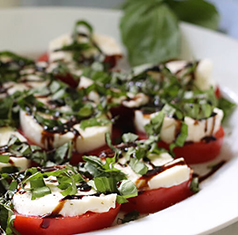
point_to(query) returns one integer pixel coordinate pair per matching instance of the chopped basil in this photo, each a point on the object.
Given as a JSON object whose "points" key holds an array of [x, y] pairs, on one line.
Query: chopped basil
{"points": [[4, 158], [109, 143], [138, 166], [227, 106], [194, 186], [133, 215], [181, 138], [127, 189], [40, 192], [63, 153], [155, 124], [129, 137], [6, 214], [105, 184], [75, 46]]}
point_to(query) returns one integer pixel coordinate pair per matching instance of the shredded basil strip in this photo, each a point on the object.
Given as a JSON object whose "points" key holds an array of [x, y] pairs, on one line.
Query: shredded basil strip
{"points": [[181, 138], [4, 158], [129, 137]]}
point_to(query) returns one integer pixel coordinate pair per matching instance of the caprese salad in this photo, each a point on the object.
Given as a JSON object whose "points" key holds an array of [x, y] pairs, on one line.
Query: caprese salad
{"points": [[81, 140]]}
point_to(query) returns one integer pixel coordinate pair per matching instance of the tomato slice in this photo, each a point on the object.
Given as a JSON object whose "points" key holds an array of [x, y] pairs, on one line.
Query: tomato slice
{"points": [[154, 200], [112, 60], [218, 92], [43, 58], [28, 225], [196, 152]]}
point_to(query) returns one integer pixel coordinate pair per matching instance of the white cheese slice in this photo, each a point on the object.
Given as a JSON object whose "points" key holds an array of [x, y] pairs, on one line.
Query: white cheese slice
{"points": [[106, 44], [175, 175], [89, 139], [136, 100], [20, 162], [197, 129], [32, 82], [202, 74], [71, 207]]}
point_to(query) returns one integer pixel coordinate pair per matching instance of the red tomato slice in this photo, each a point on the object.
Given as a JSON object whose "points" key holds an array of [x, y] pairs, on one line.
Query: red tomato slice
{"points": [[68, 79], [28, 225], [196, 152], [112, 60], [218, 92], [154, 200], [43, 58]]}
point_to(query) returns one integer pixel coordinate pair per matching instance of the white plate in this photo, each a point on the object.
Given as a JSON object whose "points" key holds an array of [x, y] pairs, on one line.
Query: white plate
{"points": [[28, 31]]}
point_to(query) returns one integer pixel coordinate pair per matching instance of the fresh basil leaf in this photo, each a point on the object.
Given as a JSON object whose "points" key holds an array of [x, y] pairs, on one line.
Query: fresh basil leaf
{"points": [[109, 143], [121, 199], [71, 190], [181, 138], [129, 137], [227, 107], [54, 86], [110, 161], [155, 125], [129, 153], [4, 158], [93, 165], [198, 12], [6, 215], [150, 32], [37, 183], [129, 3], [9, 169], [94, 122], [105, 184], [13, 56], [12, 189], [128, 189], [131, 216], [38, 188], [194, 186], [74, 46], [81, 23], [93, 160], [86, 110], [40, 192], [63, 153], [138, 166]]}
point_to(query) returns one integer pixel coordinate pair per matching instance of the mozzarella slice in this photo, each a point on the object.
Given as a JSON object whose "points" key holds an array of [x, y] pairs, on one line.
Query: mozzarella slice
{"points": [[197, 129], [70, 207], [89, 139], [202, 74], [32, 82], [136, 101], [171, 176], [107, 45]]}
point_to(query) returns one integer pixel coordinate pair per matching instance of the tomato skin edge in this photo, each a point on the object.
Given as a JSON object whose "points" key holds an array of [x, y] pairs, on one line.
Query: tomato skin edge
{"points": [[43, 57], [153, 200], [196, 152], [90, 221]]}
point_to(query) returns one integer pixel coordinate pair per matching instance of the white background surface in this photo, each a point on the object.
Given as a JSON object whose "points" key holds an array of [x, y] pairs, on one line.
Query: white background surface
{"points": [[216, 205]]}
